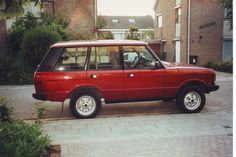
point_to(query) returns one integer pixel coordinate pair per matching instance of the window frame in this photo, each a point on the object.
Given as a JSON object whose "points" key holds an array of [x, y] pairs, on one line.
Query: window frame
{"points": [[61, 53], [159, 24], [89, 58], [150, 51]]}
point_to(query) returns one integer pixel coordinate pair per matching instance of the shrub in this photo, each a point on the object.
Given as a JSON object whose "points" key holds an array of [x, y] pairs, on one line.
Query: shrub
{"points": [[5, 111], [105, 35], [17, 31], [21, 139], [35, 44], [41, 110], [224, 66]]}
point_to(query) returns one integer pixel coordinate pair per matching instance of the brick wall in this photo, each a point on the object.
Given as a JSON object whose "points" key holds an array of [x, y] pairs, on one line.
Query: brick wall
{"points": [[167, 31], [206, 29], [80, 14]]}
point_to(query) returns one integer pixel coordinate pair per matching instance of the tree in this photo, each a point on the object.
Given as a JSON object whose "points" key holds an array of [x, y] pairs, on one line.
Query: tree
{"points": [[132, 34], [14, 8], [101, 22], [228, 5]]}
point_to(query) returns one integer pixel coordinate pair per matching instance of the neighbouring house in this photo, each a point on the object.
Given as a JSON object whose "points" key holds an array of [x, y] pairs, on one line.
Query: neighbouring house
{"points": [[80, 13], [191, 31], [228, 39], [119, 25]]}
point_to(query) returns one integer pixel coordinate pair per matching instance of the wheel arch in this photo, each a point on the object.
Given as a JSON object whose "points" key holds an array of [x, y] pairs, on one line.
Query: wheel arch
{"points": [[84, 88], [201, 84]]}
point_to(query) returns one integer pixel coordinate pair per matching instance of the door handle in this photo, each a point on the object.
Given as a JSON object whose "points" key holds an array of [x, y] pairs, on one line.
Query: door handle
{"points": [[131, 75], [93, 76]]}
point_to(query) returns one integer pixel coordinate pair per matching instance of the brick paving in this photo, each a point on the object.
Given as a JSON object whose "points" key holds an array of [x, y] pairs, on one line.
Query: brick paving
{"points": [[203, 134]]}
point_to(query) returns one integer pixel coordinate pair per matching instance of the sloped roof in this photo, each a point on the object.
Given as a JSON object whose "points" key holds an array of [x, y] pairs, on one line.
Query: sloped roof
{"points": [[123, 22]]}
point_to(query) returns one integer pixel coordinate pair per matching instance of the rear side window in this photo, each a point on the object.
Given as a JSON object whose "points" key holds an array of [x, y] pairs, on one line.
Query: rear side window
{"points": [[50, 60], [105, 58], [72, 59]]}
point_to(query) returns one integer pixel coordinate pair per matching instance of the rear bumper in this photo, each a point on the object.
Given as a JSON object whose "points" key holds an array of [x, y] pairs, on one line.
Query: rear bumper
{"points": [[212, 88], [39, 96]]}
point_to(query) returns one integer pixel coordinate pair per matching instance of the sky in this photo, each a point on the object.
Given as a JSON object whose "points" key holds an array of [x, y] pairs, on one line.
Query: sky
{"points": [[125, 7]]}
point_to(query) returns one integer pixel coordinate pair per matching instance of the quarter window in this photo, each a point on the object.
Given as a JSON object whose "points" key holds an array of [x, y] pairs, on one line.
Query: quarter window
{"points": [[138, 57], [72, 59], [105, 58]]}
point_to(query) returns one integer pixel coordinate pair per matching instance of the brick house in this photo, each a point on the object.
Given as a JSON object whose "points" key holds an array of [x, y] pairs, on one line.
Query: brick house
{"points": [[80, 13], [191, 31], [119, 25]]}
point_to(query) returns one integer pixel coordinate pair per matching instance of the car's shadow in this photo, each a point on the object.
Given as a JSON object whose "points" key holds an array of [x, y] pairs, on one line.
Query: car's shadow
{"points": [[118, 109]]}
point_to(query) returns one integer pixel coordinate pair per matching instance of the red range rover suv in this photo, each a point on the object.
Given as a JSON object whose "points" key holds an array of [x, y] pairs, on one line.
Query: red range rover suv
{"points": [[117, 71]]}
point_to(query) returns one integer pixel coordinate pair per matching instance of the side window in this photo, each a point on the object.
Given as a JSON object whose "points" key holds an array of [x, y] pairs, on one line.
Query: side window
{"points": [[138, 57], [72, 59], [103, 58]]}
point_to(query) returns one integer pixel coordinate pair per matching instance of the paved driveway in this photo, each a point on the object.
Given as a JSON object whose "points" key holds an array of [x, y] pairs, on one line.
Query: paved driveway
{"points": [[176, 135]]}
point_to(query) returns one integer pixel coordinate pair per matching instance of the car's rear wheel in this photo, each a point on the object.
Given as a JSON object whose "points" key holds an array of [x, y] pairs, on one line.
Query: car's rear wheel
{"points": [[85, 104], [191, 100]]}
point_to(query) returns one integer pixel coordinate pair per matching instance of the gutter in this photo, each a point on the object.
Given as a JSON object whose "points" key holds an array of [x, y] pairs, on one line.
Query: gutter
{"points": [[189, 25]]}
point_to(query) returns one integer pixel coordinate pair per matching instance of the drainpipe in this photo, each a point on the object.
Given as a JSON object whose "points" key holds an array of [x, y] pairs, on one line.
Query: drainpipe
{"points": [[95, 12], [189, 24]]}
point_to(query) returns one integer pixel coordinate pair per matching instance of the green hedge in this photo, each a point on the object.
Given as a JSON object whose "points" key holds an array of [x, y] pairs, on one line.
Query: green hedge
{"points": [[34, 46], [21, 139], [223, 67]]}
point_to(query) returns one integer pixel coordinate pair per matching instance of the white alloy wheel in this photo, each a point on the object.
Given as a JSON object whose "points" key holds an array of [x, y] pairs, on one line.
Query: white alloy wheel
{"points": [[85, 105], [192, 100]]}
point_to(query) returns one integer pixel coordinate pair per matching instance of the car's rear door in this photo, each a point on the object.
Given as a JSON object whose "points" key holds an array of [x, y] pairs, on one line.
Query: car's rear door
{"points": [[143, 80], [106, 73]]}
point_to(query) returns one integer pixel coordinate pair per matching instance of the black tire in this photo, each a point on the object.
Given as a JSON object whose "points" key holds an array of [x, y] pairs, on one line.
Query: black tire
{"points": [[191, 99], [95, 99]]}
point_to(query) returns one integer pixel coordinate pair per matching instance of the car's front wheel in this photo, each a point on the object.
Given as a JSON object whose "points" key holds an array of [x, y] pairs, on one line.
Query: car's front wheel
{"points": [[191, 100], [85, 104]]}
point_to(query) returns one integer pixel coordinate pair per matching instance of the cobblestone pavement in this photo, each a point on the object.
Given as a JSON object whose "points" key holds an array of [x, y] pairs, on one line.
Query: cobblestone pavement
{"points": [[175, 135]]}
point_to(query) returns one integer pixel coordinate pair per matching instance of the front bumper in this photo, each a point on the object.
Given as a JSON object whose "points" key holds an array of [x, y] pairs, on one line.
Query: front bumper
{"points": [[39, 96], [212, 88]]}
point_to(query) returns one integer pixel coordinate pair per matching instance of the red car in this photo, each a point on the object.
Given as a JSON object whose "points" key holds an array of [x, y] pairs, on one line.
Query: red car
{"points": [[117, 71]]}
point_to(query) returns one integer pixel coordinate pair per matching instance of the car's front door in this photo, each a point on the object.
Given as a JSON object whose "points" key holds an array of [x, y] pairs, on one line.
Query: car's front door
{"points": [[106, 73], [143, 79]]}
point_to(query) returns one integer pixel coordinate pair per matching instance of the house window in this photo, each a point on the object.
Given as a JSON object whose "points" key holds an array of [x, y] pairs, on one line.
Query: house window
{"points": [[225, 13], [227, 50], [48, 7], [178, 15], [159, 21], [131, 20], [177, 2]]}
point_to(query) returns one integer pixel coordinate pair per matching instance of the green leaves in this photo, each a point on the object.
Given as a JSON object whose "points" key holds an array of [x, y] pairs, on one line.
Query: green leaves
{"points": [[14, 8], [132, 34], [21, 139], [228, 5]]}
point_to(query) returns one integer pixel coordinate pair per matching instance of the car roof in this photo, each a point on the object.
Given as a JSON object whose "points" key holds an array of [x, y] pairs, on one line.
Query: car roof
{"points": [[99, 43]]}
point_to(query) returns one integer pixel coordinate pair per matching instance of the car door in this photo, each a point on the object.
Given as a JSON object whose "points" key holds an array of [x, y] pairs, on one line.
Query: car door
{"points": [[106, 73], [143, 80]]}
